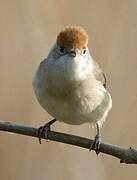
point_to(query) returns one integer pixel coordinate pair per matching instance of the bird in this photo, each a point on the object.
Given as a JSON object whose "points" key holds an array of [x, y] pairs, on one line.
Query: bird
{"points": [[70, 85]]}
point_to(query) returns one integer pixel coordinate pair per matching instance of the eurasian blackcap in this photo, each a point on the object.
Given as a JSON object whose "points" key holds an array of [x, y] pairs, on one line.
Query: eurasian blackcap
{"points": [[70, 85]]}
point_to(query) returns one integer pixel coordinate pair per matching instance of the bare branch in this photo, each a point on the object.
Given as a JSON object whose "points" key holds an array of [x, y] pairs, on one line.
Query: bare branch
{"points": [[128, 156]]}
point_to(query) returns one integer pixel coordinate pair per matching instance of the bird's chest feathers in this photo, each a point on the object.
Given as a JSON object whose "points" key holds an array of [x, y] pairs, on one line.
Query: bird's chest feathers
{"points": [[80, 93], [61, 96]]}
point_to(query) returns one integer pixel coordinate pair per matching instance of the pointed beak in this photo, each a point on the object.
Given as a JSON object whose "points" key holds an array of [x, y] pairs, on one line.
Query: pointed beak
{"points": [[73, 53]]}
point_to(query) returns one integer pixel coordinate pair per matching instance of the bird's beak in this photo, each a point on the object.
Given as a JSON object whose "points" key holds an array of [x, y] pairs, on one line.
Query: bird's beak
{"points": [[73, 53]]}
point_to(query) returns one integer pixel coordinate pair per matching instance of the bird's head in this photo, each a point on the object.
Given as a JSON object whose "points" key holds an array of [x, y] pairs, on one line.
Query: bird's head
{"points": [[70, 52], [72, 40]]}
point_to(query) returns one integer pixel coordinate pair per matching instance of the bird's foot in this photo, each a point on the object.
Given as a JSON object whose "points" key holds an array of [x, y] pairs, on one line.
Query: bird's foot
{"points": [[43, 130], [95, 145]]}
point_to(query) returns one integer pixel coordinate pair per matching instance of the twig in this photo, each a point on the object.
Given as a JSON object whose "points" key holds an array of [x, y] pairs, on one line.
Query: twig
{"points": [[128, 156]]}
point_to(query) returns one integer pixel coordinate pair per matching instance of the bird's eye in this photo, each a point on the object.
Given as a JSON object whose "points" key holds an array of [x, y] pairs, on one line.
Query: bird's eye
{"points": [[61, 50], [84, 51]]}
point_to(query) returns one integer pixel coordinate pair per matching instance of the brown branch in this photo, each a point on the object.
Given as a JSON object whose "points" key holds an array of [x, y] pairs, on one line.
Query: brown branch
{"points": [[128, 156]]}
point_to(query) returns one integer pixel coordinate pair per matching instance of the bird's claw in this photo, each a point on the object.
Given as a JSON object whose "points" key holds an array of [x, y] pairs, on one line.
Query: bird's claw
{"points": [[96, 144], [43, 130]]}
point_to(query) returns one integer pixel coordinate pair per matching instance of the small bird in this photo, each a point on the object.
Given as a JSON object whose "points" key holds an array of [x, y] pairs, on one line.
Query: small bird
{"points": [[71, 86]]}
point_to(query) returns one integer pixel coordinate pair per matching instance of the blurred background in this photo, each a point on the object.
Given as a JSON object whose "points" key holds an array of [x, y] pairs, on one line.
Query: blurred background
{"points": [[28, 28]]}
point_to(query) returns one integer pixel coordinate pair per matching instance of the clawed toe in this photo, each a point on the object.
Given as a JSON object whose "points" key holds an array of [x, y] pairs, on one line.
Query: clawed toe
{"points": [[43, 130], [96, 144]]}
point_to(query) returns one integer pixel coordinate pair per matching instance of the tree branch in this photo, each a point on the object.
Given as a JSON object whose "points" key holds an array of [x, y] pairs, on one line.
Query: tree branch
{"points": [[128, 156]]}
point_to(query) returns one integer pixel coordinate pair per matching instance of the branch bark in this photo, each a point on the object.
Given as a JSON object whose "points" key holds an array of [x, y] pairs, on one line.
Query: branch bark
{"points": [[128, 156]]}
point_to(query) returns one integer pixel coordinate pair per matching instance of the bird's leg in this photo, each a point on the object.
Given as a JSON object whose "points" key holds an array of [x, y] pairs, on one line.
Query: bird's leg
{"points": [[97, 141], [43, 130]]}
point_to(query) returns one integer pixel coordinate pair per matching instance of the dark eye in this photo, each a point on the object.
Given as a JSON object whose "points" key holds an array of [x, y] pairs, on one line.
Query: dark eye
{"points": [[84, 51], [61, 50]]}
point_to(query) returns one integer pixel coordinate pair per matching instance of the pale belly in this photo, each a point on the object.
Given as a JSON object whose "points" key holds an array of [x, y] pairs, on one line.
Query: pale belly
{"points": [[77, 111], [87, 103]]}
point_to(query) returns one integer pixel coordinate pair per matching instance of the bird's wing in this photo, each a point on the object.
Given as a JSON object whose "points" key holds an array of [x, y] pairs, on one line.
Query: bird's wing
{"points": [[100, 76], [43, 61]]}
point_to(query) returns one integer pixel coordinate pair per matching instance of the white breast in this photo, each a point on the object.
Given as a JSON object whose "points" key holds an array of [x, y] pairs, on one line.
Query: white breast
{"points": [[73, 103]]}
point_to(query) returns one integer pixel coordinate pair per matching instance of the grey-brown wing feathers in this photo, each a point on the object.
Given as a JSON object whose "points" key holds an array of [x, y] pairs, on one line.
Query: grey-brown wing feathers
{"points": [[100, 76]]}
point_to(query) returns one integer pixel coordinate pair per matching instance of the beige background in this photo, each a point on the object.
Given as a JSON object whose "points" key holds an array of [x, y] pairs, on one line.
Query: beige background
{"points": [[28, 28]]}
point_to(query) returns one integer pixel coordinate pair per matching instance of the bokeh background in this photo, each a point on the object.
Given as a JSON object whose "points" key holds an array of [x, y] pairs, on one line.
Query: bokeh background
{"points": [[28, 28]]}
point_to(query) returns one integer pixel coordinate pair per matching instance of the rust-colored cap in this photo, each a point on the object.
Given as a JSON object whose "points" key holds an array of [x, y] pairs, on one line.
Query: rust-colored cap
{"points": [[73, 37]]}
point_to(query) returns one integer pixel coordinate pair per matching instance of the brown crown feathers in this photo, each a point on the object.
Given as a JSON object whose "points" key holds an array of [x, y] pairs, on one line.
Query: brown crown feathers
{"points": [[73, 37]]}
